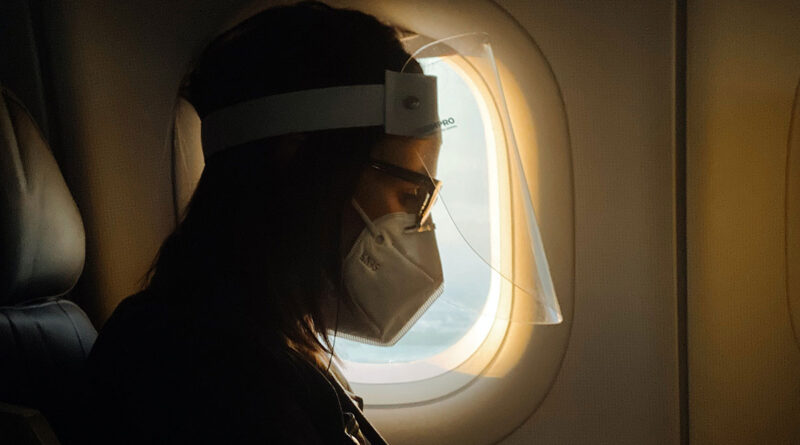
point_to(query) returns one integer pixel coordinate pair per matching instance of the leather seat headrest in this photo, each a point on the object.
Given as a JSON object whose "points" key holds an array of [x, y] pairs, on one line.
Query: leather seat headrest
{"points": [[42, 242]]}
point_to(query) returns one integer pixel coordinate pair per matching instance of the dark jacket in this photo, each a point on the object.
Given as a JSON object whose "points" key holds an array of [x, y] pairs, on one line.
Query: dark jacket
{"points": [[169, 373]]}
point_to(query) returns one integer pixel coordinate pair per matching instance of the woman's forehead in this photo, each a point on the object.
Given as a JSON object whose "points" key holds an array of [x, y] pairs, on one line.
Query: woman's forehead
{"points": [[416, 154]]}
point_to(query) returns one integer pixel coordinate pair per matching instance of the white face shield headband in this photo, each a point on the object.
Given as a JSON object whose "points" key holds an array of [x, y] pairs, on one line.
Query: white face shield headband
{"points": [[404, 105], [485, 221]]}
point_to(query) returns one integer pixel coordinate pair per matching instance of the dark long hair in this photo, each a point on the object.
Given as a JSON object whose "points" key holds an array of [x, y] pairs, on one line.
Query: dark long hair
{"points": [[261, 236]]}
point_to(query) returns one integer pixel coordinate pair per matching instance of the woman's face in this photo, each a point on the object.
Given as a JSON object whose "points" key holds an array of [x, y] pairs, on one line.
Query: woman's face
{"points": [[379, 193]]}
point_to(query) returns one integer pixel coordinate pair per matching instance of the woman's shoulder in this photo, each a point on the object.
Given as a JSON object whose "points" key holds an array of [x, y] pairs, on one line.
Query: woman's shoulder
{"points": [[136, 308], [157, 353], [149, 331], [133, 316]]}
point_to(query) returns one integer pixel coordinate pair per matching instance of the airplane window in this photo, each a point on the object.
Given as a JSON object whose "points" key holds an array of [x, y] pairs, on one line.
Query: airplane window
{"points": [[469, 295]]}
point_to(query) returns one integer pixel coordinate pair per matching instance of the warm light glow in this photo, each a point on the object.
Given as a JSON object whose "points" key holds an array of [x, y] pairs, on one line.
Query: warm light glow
{"points": [[461, 355]]}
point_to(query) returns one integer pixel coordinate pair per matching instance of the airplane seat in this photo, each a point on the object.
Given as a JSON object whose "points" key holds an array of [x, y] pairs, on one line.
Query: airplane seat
{"points": [[44, 338]]}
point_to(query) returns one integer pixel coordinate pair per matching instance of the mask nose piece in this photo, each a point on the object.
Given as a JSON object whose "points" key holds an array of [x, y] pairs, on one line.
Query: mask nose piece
{"points": [[427, 227]]}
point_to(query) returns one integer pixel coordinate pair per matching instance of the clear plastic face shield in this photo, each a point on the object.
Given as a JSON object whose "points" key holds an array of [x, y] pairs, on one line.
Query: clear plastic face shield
{"points": [[480, 200], [455, 166]]}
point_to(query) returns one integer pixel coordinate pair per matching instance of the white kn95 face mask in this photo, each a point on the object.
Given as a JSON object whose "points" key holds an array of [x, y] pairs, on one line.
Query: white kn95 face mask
{"points": [[392, 276]]}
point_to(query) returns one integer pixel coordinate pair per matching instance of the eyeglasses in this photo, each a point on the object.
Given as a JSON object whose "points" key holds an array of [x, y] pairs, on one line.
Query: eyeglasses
{"points": [[425, 196]]}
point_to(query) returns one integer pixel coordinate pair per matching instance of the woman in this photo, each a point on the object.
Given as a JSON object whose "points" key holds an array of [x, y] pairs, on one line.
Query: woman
{"points": [[228, 342]]}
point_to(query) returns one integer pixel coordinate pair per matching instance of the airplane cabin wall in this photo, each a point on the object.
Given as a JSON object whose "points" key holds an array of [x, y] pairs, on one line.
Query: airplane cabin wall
{"points": [[743, 71], [619, 380], [115, 69]]}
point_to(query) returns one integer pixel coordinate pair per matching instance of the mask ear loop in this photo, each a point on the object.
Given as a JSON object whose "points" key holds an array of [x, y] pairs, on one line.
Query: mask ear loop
{"points": [[371, 227], [367, 222], [373, 231]]}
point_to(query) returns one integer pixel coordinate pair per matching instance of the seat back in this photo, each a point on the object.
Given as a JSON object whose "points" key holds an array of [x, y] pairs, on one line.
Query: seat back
{"points": [[44, 339]]}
